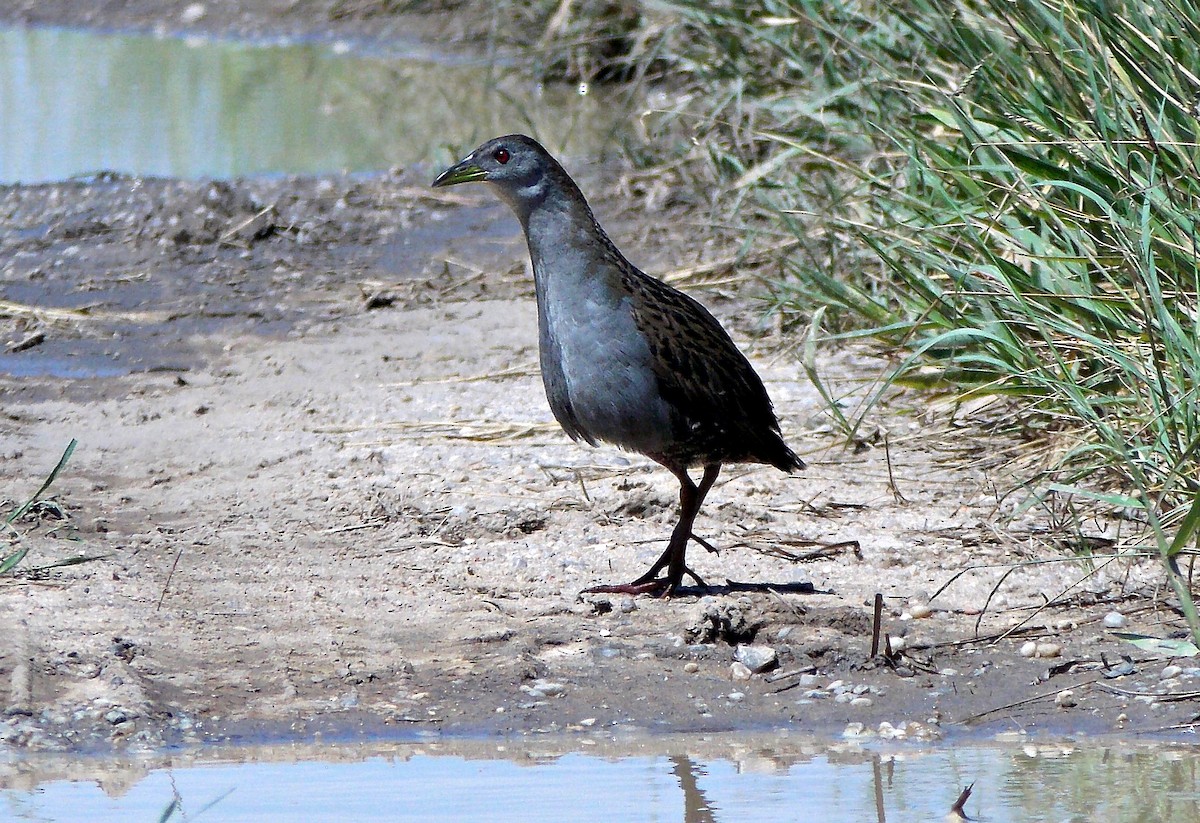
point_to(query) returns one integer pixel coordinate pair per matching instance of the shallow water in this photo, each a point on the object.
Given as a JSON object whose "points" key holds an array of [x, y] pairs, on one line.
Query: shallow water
{"points": [[716, 779], [75, 103]]}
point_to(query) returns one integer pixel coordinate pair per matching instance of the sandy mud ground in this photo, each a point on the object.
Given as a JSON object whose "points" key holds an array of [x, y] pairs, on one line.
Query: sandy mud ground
{"points": [[330, 495], [326, 495]]}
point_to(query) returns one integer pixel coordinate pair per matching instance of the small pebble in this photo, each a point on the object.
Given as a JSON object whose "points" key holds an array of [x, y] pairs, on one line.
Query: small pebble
{"points": [[588, 721], [897, 643], [862, 702], [1028, 649], [193, 13], [115, 717], [691, 668], [808, 679], [756, 658], [1171, 671], [855, 730], [918, 611], [1065, 699], [737, 697], [739, 671], [1048, 650], [543, 688], [1115, 620]]}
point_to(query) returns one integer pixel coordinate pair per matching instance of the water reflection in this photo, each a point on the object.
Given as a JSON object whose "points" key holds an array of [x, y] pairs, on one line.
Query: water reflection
{"points": [[74, 102], [723, 779]]}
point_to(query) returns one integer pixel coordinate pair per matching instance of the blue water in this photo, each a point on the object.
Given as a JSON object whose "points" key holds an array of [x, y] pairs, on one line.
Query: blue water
{"points": [[754, 782], [76, 102]]}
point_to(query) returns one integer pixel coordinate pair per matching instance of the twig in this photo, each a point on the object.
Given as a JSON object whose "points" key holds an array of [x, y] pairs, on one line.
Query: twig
{"points": [[170, 574], [777, 676], [991, 594], [1016, 703], [1165, 697], [875, 625], [1048, 603], [369, 524], [895, 490]]}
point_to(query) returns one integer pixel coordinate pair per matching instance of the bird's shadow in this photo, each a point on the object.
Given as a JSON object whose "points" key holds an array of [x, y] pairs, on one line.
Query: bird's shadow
{"points": [[737, 587]]}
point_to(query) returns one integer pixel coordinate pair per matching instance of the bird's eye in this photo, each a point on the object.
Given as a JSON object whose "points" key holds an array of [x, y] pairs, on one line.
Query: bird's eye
{"points": [[501, 156]]}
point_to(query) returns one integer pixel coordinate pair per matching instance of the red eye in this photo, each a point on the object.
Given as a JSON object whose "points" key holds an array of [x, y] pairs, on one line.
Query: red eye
{"points": [[501, 156]]}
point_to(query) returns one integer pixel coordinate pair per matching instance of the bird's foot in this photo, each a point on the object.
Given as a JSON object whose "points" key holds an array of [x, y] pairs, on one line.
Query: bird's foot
{"points": [[647, 584], [660, 586]]}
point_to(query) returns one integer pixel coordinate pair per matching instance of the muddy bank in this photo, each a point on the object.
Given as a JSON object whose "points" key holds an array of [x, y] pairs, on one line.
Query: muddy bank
{"points": [[327, 495]]}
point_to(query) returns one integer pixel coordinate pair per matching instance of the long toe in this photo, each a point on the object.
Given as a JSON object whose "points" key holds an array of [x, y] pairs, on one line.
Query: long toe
{"points": [[659, 585]]}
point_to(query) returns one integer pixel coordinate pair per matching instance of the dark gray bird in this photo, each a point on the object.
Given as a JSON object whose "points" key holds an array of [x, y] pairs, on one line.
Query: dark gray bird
{"points": [[627, 359]]}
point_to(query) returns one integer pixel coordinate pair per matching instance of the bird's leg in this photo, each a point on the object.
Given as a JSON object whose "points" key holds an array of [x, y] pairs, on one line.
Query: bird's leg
{"points": [[672, 559], [710, 476], [690, 500]]}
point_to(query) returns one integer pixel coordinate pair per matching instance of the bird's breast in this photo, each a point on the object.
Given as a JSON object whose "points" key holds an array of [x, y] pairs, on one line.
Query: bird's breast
{"points": [[596, 365]]}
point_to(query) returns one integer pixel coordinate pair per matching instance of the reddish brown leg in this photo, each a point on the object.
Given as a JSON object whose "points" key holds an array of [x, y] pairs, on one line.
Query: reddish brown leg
{"points": [[691, 497]]}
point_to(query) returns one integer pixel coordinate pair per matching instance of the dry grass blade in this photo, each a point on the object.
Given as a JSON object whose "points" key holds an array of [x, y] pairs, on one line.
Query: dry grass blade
{"points": [[707, 273], [50, 315], [521, 370], [477, 431]]}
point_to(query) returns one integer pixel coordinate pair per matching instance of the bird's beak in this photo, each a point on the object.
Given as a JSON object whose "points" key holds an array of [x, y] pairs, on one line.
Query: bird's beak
{"points": [[463, 172]]}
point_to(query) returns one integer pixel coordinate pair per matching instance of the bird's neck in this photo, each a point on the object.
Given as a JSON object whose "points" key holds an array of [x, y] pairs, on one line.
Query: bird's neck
{"points": [[559, 224]]}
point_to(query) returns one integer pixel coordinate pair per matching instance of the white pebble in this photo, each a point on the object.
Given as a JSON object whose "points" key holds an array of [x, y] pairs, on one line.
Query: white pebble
{"points": [[918, 611], [1115, 620], [1171, 671], [862, 702], [898, 644], [193, 13], [692, 667], [855, 730], [1028, 649], [1048, 650], [739, 671], [737, 697], [1065, 699]]}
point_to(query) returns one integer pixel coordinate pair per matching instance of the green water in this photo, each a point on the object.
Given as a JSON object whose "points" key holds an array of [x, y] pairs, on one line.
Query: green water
{"points": [[74, 102], [731, 778]]}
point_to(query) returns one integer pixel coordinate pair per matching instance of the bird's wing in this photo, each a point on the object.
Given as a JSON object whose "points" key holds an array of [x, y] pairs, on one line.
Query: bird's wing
{"points": [[701, 372]]}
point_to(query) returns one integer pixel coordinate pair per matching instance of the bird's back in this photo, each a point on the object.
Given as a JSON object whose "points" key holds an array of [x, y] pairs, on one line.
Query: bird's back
{"points": [[722, 412]]}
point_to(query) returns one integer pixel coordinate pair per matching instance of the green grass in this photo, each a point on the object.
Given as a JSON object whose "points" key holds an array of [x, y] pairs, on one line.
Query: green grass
{"points": [[10, 561], [1006, 190]]}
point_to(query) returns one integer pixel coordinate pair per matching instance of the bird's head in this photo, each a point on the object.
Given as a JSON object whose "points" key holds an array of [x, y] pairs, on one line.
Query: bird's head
{"points": [[511, 161], [517, 167]]}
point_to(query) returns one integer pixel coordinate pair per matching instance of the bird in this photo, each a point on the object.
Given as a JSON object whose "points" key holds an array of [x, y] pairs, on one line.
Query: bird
{"points": [[625, 358]]}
